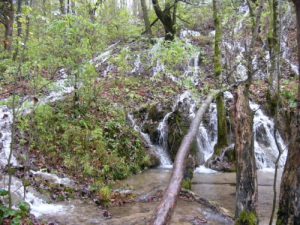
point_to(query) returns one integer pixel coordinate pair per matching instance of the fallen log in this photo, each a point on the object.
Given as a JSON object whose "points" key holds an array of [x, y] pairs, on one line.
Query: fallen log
{"points": [[166, 207]]}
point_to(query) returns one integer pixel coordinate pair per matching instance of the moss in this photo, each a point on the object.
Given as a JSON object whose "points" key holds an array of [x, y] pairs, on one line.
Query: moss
{"points": [[222, 126], [178, 127], [247, 218], [271, 102], [187, 184]]}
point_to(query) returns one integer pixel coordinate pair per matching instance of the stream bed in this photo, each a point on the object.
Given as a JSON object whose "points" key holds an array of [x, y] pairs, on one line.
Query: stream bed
{"points": [[218, 188]]}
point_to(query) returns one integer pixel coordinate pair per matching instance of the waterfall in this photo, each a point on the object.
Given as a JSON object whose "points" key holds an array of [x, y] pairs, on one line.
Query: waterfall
{"points": [[160, 151], [207, 135], [6, 119], [265, 146], [38, 205], [266, 151]]}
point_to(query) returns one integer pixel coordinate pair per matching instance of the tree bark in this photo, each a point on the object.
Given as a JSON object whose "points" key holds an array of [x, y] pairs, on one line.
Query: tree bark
{"points": [[167, 19], [246, 178], [62, 7], [8, 22], [289, 199], [146, 18], [222, 141], [274, 52], [246, 189], [166, 207], [19, 16]]}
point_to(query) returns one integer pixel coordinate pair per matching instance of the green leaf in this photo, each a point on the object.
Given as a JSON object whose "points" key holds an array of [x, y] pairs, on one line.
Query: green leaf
{"points": [[3, 192], [24, 207]]}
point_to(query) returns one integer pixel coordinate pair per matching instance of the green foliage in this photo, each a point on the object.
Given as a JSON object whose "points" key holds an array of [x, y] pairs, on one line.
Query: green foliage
{"points": [[105, 195], [173, 55], [97, 144], [14, 215], [247, 218], [122, 60], [187, 184]]}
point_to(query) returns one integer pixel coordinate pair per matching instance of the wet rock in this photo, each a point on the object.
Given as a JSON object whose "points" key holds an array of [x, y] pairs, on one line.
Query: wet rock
{"points": [[261, 135], [179, 123], [154, 159], [197, 221], [149, 118], [225, 162], [107, 214]]}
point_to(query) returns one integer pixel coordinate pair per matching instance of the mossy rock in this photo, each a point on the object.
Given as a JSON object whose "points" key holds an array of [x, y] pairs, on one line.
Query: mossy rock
{"points": [[151, 129], [247, 218], [225, 162], [178, 127]]}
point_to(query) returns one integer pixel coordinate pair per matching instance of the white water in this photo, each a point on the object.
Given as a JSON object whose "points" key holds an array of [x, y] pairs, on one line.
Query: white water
{"points": [[38, 205], [54, 178], [266, 151], [265, 147], [164, 158], [6, 119], [203, 169], [207, 135]]}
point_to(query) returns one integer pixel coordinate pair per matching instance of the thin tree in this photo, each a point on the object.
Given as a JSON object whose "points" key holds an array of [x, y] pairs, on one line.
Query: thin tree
{"points": [[274, 52], [289, 199], [222, 141], [62, 7], [146, 18]]}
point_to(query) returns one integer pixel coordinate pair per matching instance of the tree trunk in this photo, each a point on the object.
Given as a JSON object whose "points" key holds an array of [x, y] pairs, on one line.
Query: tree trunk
{"points": [[222, 141], [246, 189], [166, 207], [19, 16], [274, 52], [246, 178], [289, 199], [8, 14], [62, 7], [167, 19], [146, 18], [19, 28]]}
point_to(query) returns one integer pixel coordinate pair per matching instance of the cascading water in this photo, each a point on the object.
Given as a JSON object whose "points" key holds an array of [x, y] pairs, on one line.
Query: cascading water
{"points": [[165, 161], [38, 205], [207, 135], [265, 147], [266, 151]]}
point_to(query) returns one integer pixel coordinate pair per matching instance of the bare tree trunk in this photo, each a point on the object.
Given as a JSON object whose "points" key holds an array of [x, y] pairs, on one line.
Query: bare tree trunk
{"points": [[166, 207], [68, 6], [19, 16], [8, 22], [289, 199], [146, 18], [246, 190], [19, 28], [246, 178], [274, 52], [222, 141], [62, 7]]}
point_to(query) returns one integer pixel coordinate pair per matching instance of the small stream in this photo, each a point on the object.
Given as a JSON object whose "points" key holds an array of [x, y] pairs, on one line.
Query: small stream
{"points": [[218, 187]]}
